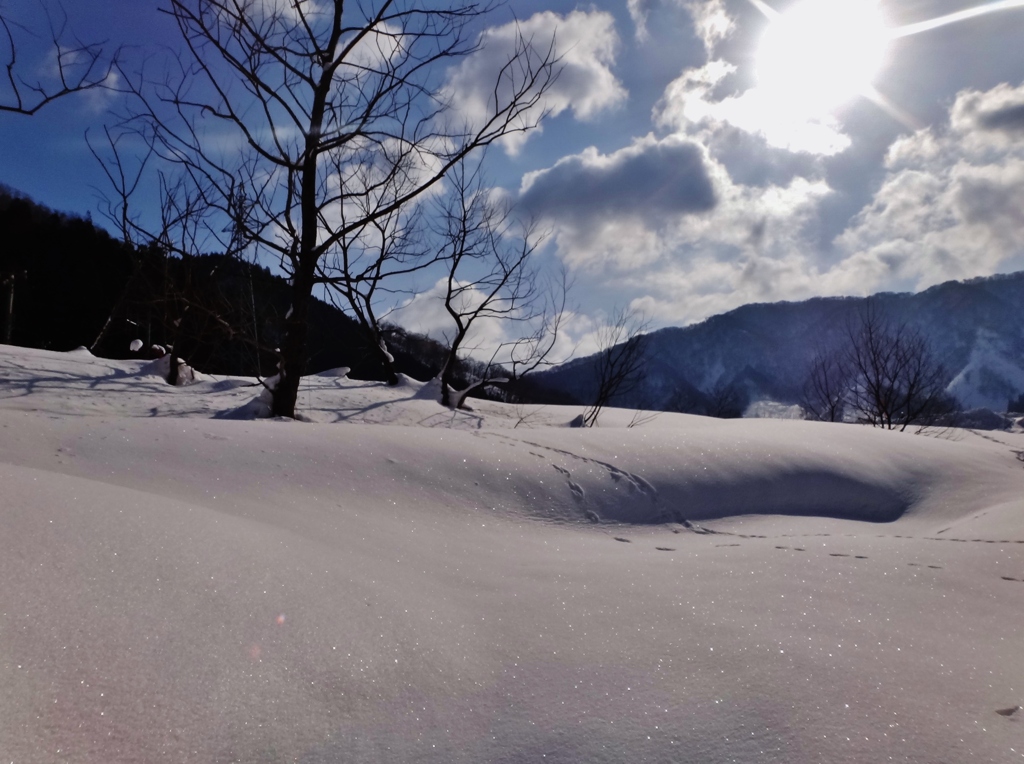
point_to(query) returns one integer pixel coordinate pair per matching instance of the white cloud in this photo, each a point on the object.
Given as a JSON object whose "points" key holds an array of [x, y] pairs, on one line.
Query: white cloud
{"points": [[638, 10], [711, 21], [724, 93], [607, 210], [685, 241], [425, 313], [689, 104], [381, 44], [753, 247], [951, 205], [586, 43], [651, 178], [492, 338]]}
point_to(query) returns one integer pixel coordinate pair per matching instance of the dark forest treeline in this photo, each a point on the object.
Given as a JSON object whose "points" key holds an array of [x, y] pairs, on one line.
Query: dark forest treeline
{"points": [[68, 283]]}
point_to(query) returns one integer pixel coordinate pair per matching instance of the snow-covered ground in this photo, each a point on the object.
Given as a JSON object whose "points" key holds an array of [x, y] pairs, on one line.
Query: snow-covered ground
{"points": [[392, 582]]}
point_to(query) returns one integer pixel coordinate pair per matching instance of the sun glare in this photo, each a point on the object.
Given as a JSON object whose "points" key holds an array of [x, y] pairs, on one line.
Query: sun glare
{"points": [[821, 53]]}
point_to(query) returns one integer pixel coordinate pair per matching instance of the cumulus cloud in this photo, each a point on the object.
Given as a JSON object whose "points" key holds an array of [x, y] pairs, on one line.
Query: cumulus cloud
{"points": [[951, 205], [725, 93], [668, 225], [755, 246], [692, 103], [651, 179], [711, 21], [612, 207], [1008, 118], [492, 338], [993, 119], [425, 313], [585, 41]]}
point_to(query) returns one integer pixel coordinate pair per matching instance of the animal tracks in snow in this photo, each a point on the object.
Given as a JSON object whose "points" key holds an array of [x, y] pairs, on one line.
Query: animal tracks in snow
{"points": [[657, 548], [633, 483], [577, 490]]}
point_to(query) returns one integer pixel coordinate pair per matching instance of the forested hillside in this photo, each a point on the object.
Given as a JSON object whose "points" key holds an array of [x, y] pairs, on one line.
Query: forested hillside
{"points": [[68, 283]]}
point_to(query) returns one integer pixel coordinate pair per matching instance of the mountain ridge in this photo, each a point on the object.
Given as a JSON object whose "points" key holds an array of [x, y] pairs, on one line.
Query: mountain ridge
{"points": [[762, 351]]}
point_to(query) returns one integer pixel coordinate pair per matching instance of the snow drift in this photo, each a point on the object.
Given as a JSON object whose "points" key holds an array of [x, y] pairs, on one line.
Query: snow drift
{"points": [[394, 581]]}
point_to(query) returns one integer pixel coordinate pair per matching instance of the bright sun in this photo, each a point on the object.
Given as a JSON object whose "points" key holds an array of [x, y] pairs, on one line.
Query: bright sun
{"points": [[821, 53]]}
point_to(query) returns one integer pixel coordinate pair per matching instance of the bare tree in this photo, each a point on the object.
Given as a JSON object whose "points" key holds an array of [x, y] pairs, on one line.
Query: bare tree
{"points": [[77, 66], [896, 380], [827, 387], [725, 400], [183, 298], [489, 259], [364, 270], [331, 116], [620, 360], [884, 374]]}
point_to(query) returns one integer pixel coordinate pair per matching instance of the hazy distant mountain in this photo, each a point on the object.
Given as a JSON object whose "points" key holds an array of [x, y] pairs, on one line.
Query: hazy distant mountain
{"points": [[762, 352]]}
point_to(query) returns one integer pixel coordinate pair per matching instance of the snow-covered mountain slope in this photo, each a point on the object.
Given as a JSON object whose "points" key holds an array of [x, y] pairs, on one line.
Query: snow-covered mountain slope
{"points": [[993, 374], [395, 582], [975, 328]]}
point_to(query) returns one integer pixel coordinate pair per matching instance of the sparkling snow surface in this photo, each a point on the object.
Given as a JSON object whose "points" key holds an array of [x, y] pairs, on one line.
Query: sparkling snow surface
{"points": [[392, 582]]}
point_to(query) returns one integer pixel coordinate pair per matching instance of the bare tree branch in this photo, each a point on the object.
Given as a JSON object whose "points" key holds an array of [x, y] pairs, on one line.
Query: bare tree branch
{"points": [[490, 274], [77, 66]]}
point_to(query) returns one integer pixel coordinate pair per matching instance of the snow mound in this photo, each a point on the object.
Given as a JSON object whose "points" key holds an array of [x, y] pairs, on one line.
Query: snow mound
{"points": [[260, 407], [423, 391], [341, 371], [161, 367], [225, 385]]}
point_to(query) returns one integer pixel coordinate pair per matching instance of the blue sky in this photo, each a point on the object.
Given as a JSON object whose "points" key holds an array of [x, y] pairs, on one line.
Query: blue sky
{"points": [[675, 177]]}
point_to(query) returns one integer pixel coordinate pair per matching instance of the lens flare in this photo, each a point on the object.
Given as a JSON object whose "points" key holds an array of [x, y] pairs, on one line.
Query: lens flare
{"points": [[953, 18], [821, 53]]}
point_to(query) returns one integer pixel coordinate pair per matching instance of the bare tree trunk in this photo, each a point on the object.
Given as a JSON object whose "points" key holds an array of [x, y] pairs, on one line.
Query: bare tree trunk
{"points": [[9, 323], [293, 348], [448, 370]]}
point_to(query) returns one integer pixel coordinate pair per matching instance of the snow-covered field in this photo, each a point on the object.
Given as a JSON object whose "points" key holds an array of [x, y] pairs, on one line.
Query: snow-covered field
{"points": [[390, 582]]}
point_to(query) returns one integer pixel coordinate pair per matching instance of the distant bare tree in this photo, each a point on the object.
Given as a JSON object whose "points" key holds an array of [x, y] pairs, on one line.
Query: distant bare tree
{"points": [[897, 381], [884, 374], [725, 400], [513, 360], [78, 66], [827, 387], [620, 360]]}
